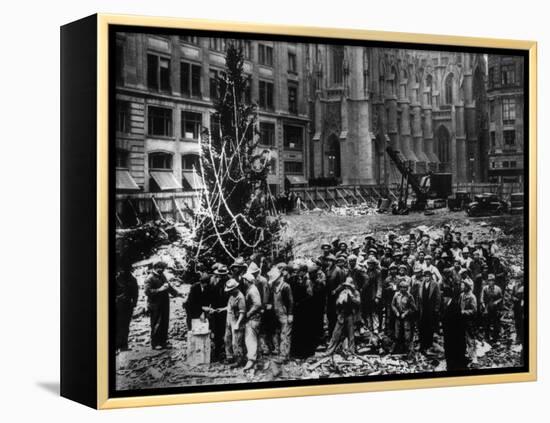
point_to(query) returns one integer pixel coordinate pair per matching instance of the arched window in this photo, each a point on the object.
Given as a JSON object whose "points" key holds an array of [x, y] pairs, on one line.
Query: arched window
{"points": [[160, 161], [449, 89], [190, 162]]}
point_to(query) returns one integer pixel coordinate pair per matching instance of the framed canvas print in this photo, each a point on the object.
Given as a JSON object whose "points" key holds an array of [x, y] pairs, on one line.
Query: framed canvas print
{"points": [[253, 211]]}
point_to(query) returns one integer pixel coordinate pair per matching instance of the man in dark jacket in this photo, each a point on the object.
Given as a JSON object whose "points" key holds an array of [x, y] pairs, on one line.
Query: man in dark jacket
{"points": [[199, 300], [126, 299], [335, 277], [158, 291], [429, 302], [371, 293]]}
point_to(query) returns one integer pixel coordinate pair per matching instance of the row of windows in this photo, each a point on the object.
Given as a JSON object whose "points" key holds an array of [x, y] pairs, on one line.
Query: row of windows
{"points": [[507, 76], [505, 164], [158, 79], [508, 111], [160, 123], [190, 162]]}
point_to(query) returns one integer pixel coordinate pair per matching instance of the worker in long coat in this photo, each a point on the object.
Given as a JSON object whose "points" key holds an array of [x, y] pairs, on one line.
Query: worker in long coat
{"points": [[125, 301], [371, 293], [218, 317], [454, 330], [199, 300], [428, 310], [158, 291], [335, 277], [318, 304], [303, 337]]}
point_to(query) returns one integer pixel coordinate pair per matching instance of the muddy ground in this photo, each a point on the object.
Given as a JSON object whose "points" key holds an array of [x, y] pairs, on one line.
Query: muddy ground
{"points": [[143, 367]]}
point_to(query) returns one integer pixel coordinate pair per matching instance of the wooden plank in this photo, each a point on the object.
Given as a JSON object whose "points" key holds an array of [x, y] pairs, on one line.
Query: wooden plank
{"points": [[310, 199], [343, 198], [177, 207], [358, 192], [119, 221], [157, 207], [332, 196], [350, 192], [138, 220], [322, 199]]}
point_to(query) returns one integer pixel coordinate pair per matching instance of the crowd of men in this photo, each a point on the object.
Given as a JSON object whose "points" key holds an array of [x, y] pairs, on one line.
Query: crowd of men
{"points": [[404, 289]]}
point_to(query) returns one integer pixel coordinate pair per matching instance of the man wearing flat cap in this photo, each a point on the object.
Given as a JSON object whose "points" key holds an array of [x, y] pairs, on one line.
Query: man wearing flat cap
{"points": [[158, 291], [429, 303], [491, 305], [404, 308]]}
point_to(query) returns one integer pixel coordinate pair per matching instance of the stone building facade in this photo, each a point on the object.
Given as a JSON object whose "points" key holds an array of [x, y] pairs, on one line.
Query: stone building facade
{"points": [[324, 111], [165, 93], [431, 106], [505, 90]]}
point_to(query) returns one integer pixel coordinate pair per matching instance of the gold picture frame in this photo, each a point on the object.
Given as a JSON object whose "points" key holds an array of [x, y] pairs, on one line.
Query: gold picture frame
{"points": [[103, 401]]}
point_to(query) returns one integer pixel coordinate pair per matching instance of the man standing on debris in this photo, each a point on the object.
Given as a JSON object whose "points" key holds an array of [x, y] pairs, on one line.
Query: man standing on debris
{"points": [[468, 309], [491, 304], [428, 307], [389, 288], [234, 328], [219, 300], [253, 315], [335, 277], [158, 291], [347, 303], [371, 293], [283, 307], [454, 334], [198, 301], [404, 308], [126, 299]]}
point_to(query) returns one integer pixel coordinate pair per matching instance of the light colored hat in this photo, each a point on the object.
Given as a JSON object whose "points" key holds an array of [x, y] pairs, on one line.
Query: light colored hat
{"points": [[249, 277], [490, 277], [221, 270], [253, 268], [371, 260], [352, 257], [273, 275], [239, 262], [469, 283], [231, 284], [465, 250]]}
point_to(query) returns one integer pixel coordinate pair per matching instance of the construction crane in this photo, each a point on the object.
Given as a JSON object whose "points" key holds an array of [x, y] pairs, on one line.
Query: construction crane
{"points": [[420, 187]]}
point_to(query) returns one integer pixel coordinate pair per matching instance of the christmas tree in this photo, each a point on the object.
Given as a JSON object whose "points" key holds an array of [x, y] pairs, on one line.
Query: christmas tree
{"points": [[237, 215]]}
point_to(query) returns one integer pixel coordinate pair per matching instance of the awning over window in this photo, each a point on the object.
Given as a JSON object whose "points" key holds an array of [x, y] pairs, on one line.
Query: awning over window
{"points": [[165, 180], [124, 181], [296, 179], [193, 179]]}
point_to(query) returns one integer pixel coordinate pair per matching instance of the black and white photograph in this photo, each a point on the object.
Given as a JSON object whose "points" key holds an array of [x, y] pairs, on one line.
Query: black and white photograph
{"points": [[295, 210]]}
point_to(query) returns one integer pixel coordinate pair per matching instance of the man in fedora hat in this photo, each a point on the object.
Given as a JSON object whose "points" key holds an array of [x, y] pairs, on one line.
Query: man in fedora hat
{"points": [[283, 307], [468, 309], [234, 328], [237, 269], [199, 300], [429, 304], [371, 292], [491, 305], [158, 291]]}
